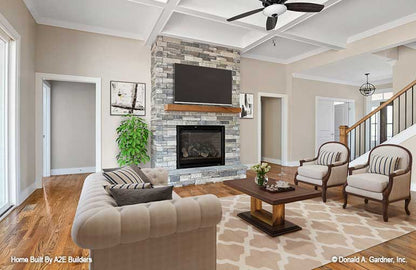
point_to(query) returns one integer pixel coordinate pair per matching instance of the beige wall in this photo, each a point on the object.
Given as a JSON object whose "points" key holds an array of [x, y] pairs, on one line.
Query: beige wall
{"points": [[404, 71], [257, 76], [304, 93], [19, 17], [70, 52], [72, 125], [271, 128]]}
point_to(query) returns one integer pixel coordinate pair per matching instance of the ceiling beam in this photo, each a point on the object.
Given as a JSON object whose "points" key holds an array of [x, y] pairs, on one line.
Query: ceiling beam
{"points": [[151, 3], [167, 12]]}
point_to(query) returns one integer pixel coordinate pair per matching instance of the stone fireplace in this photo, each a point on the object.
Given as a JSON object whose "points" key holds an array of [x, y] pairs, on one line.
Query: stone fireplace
{"points": [[200, 146], [207, 160]]}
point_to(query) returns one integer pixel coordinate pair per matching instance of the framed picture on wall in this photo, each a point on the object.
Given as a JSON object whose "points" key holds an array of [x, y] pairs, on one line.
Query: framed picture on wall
{"points": [[127, 98], [247, 106]]}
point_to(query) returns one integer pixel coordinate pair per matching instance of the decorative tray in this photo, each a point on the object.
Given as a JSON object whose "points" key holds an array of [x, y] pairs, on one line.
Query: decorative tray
{"points": [[278, 187]]}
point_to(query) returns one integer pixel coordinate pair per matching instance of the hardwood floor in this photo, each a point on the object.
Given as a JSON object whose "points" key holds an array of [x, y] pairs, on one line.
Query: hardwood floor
{"points": [[42, 224]]}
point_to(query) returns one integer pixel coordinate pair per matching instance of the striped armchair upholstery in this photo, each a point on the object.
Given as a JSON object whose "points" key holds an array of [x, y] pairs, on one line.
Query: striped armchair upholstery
{"points": [[328, 169], [385, 178]]}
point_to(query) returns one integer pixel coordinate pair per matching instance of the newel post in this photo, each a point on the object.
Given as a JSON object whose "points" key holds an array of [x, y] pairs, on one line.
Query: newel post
{"points": [[343, 136]]}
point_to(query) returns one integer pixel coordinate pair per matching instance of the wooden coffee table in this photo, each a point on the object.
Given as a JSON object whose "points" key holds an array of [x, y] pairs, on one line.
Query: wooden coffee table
{"points": [[274, 224]]}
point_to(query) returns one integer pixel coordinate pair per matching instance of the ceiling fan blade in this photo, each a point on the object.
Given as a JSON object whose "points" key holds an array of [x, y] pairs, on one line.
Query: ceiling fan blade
{"points": [[249, 13], [271, 23], [304, 7]]}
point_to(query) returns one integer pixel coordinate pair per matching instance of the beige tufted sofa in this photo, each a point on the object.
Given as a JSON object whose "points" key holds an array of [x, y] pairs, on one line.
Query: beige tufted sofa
{"points": [[178, 234]]}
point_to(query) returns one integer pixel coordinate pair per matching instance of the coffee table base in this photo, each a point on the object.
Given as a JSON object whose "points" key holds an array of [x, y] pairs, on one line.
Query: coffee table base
{"points": [[286, 227]]}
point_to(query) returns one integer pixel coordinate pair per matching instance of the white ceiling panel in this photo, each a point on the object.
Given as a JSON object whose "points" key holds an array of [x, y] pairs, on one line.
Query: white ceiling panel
{"points": [[282, 50], [349, 18], [352, 70], [112, 16], [195, 28]]}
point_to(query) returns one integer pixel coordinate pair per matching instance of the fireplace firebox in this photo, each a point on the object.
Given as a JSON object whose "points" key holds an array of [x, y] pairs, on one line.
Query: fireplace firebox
{"points": [[200, 146]]}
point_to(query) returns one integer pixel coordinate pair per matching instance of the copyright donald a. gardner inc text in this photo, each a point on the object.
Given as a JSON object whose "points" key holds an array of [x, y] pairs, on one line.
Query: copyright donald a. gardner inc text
{"points": [[371, 259]]}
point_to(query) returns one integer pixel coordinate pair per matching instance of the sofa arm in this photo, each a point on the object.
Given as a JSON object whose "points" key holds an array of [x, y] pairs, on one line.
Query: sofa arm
{"points": [[158, 176], [111, 226]]}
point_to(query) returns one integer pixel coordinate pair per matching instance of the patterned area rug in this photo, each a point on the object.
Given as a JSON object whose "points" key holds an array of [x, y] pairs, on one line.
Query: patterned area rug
{"points": [[328, 230]]}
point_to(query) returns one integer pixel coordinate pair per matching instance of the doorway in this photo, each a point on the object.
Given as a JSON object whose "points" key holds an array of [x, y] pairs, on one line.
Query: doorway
{"points": [[331, 113], [272, 128], [70, 138]]}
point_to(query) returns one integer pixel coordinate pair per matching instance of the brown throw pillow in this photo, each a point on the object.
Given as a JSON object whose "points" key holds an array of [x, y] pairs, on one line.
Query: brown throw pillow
{"points": [[126, 175], [136, 196]]}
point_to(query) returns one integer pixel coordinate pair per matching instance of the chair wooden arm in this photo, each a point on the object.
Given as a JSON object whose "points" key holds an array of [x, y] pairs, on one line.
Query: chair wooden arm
{"points": [[307, 160], [358, 167], [398, 173]]}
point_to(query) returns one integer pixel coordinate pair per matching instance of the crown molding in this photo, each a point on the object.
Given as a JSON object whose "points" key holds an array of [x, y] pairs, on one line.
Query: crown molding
{"points": [[382, 28], [376, 81], [88, 28]]}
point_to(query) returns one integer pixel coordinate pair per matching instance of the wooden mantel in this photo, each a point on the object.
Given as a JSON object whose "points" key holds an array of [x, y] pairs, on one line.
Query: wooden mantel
{"points": [[200, 108]]}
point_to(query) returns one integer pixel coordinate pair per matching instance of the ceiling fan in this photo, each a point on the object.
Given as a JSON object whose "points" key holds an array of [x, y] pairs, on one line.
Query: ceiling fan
{"points": [[274, 8]]}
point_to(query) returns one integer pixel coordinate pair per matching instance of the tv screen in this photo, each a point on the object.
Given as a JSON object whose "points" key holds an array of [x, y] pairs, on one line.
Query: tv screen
{"points": [[202, 85]]}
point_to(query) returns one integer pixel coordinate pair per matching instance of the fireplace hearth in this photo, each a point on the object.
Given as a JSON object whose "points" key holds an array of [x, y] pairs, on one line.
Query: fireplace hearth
{"points": [[200, 146]]}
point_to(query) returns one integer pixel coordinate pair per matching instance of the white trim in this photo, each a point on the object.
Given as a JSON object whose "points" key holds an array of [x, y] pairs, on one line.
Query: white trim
{"points": [[382, 28], [376, 81], [413, 187], [351, 116], [272, 160], [13, 111], [46, 132], [285, 117], [72, 170], [24, 194], [40, 77], [285, 61], [291, 164]]}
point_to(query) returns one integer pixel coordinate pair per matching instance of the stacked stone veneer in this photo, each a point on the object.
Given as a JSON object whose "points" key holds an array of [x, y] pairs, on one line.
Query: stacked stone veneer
{"points": [[165, 53]]}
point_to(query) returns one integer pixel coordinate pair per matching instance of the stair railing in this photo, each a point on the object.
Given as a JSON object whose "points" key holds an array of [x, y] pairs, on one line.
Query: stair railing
{"points": [[365, 134]]}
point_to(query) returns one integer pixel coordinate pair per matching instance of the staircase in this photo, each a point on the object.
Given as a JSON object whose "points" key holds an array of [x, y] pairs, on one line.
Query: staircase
{"points": [[366, 133]]}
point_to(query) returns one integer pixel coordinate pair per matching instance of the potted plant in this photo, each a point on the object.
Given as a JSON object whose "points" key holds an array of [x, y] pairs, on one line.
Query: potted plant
{"points": [[261, 170], [133, 135]]}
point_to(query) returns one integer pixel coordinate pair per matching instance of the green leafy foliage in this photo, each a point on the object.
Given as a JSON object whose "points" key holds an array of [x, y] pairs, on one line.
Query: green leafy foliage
{"points": [[133, 135]]}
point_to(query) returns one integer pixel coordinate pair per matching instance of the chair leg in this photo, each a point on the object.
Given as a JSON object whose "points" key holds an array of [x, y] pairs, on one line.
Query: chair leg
{"points": [[406, 206], [316, 187], [296, 180], [365, 201], [385, 211], [324, 193], [345, 200]]}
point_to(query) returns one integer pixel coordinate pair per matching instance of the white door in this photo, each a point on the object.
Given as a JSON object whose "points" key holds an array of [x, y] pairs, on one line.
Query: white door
{"points": [[324, 122], [5, 202], [46, 129], [341, 117]]}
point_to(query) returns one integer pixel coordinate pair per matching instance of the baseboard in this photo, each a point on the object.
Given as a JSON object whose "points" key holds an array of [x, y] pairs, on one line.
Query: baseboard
{"points": [[291, 163], [272, 160], [72, 170], [24, 194]]}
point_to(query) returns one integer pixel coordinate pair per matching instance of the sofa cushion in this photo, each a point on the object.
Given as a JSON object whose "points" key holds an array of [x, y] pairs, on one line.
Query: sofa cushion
{"points": [[128, 186], [136, 196], [313, 171], [383, 164], [135, 168], [368, 181], [125, 175], [327, 158]]}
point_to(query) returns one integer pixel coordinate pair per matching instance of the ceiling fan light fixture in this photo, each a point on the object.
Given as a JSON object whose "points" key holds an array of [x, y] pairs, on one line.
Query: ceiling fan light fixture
{"points": [[367, 89], [274, 10]]}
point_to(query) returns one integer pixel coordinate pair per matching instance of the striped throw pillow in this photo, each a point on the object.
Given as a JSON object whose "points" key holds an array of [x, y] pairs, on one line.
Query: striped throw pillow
{"points": [[383, 164], [128, 186], [327, 158], [125, 175]]}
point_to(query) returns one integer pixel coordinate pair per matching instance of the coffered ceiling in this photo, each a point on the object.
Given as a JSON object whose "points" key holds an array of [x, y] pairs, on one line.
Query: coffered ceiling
{"points": [[297, 35]]}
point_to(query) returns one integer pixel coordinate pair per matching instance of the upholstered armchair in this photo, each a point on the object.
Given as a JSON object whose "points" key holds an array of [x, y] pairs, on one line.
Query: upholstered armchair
{"points": [[379, 181], [323, 172]]}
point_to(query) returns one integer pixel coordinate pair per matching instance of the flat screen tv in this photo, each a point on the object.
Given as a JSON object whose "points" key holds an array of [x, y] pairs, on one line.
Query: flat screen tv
{"points": [[202, 85]]}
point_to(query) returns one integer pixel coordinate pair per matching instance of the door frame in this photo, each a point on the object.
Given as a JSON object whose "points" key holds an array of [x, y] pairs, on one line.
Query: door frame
{"points": [[351, 117], [43, 158], [12, 97], [284, 120]]}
